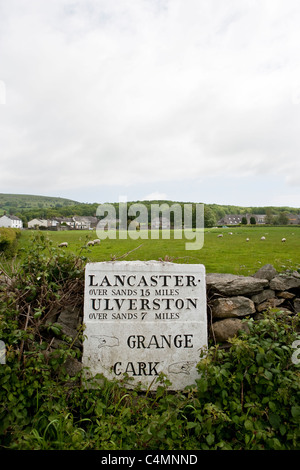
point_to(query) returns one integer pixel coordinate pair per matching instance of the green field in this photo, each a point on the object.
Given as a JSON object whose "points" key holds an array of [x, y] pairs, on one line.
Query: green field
{"points": [[229, 254]]}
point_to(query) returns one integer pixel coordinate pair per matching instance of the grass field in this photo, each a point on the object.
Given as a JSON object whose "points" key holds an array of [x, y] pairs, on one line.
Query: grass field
{"points": [[230, 254]]}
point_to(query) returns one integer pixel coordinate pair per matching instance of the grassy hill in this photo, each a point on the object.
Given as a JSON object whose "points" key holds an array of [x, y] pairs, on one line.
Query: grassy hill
{"points": [[19, 202]]}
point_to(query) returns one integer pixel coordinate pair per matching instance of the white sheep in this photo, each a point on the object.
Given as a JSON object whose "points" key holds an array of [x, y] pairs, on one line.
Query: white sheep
{"points": [[283, 240], [63, 245], [247, 239], [97, 241], [90, 243], [263, 238], [220, 235]]}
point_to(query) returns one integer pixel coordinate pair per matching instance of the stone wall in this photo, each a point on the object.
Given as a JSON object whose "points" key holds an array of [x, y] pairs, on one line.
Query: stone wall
{"points": [[230, 298]]}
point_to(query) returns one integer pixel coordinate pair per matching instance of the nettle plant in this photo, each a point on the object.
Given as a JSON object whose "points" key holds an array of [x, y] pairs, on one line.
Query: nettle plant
{"points": [[246, 396]]}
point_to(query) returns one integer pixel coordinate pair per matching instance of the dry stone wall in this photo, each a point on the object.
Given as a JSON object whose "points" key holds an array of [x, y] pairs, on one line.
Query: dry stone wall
{"points": [[230, 298]]}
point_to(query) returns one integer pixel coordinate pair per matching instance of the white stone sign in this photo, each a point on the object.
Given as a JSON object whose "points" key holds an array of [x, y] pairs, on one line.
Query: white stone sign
{"points": [[144, 318]]}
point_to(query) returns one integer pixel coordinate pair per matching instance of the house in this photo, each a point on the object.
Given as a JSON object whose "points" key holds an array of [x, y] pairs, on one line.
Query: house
{"points": [[107, 224], [160, 222], [73, 223], [84, 222], [11, 221], [36, 223], [294, 219], [53, 223], [231, 219], [260, 218], [236, 219]]}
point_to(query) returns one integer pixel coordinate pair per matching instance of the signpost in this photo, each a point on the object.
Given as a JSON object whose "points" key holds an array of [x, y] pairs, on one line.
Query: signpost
{"points": [[143, 319]]}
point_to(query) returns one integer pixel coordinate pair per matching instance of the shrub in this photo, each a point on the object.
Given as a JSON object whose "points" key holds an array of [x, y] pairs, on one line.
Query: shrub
{"points": [[254, 387], [8, 240]]}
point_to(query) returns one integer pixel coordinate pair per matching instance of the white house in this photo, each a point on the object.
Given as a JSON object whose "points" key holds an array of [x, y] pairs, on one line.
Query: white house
{"points": [[10, 221], [107, 224], [36, 223], [85, 223], [160, 222]]}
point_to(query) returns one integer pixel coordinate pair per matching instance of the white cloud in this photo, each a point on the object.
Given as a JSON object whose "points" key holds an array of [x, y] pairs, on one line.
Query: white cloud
{"points": [[126, 92]]}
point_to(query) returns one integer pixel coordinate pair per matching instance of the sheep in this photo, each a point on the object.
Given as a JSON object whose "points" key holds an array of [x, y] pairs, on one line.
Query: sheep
{"points": [[247, 239], [97, 241], [283, 240], [63, 245], [90, 243], [220, 235], [263, 238]]}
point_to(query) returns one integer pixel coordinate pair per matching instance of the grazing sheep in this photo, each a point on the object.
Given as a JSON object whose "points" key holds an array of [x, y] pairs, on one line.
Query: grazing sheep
{"points": [[283, 240], [90, 243], [220, 236], [247, 239], [263, 238], [97, 241], [63, 245]]}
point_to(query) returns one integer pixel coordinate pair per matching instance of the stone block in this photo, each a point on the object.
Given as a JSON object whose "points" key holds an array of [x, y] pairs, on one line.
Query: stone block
{"points": [[285, 282], [232, 307], [270, 303], [263, 296], [266, 272], [234, 285], [223, 330]]}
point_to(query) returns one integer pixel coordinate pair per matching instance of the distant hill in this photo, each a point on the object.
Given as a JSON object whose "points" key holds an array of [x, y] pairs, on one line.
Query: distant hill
{"points": [[19, 202]]}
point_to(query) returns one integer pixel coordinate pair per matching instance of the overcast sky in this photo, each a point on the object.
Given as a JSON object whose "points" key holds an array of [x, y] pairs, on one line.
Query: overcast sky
{"points": [[187, 100]]}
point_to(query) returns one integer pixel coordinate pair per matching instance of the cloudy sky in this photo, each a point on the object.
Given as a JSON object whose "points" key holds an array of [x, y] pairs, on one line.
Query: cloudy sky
{"points": [[187, 100]]}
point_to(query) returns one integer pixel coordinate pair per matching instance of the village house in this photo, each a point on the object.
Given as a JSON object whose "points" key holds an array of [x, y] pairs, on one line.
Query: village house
{"points": [[232, 219], [105, 224], [11, 221], [236, 219], [85, 222], [294, 219], [65, 223], [260, 218], [51, 224], [36, 223], [160, 222]]}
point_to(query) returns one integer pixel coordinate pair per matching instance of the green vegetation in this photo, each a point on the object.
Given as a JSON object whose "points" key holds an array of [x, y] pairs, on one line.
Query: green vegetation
{"points": [[231, 253], [20, 203], [8, 240], [28, 207], [246, 397]]}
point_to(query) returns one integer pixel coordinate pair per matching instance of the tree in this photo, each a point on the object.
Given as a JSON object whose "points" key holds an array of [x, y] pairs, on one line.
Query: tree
{"points": [[283, 218], [252, 220], [209, 218], [244, 220], [269, 217]]}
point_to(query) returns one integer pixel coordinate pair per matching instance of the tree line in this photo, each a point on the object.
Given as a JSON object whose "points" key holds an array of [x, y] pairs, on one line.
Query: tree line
{"points": [[212, 212]]}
